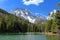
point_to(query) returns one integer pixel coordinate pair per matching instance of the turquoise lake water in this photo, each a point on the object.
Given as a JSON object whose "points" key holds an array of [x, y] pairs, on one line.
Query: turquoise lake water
{"points": [[29, 37]]}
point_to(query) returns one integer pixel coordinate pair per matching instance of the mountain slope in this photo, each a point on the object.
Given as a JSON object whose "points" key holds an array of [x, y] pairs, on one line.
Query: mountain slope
{"points": [[25, 14], [53, 22], [11, 23], [50, 16], [40, 20]]}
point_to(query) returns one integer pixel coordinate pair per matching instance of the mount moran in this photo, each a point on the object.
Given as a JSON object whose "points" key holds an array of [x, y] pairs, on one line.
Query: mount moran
{"points": [[26, 15]]}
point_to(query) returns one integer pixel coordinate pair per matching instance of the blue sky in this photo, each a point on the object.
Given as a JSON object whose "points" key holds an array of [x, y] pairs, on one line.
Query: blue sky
{"points": [[40, 7]]}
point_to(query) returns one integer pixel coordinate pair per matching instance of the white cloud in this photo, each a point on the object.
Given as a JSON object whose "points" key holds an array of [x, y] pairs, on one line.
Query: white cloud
{"points": [[35, 2]]}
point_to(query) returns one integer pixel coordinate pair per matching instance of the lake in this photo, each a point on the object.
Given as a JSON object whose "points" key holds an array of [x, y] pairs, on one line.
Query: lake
{"points": [[29, 37]]}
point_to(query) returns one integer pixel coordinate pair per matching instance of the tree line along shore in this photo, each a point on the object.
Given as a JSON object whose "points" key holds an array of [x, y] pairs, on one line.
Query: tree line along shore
{"points": [[10, 23]]}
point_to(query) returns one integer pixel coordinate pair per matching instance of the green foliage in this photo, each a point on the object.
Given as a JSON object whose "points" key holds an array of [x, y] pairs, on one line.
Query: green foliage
{"points": [[48, 25], [53, 25], [12, 24]]}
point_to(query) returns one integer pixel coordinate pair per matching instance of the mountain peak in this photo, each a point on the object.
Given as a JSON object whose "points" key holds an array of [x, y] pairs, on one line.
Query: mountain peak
{"points": [[25, 14], [50, 16]]}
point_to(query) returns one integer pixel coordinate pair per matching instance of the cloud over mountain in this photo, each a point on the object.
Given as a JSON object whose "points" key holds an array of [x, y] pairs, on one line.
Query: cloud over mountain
{"points": [[35, 2]]}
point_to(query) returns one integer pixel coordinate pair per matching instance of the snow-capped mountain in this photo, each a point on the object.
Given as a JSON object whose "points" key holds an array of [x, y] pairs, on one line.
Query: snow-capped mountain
{"points": [[50, 16], [25, 14], [40, 20]]}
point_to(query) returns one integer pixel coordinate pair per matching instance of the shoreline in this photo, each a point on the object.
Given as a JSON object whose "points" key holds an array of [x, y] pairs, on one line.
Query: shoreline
{"points": [[50, 33], [32, 33], [45, 33]]}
